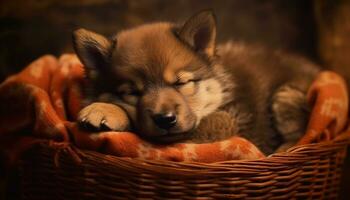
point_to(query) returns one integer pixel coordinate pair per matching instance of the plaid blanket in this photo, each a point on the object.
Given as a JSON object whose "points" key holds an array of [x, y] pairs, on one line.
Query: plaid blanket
{"points": [[42, 101]]}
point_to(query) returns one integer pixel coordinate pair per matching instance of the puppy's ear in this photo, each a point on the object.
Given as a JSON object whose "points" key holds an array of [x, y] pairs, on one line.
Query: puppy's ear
{"points": [[94, 50], [200, 32]]}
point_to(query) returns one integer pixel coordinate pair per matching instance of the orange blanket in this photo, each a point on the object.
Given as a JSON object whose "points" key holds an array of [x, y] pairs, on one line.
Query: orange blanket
{"points": [[42, 102]]}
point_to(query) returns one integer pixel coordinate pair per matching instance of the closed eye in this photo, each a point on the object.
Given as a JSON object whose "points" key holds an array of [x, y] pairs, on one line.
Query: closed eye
{"points": [[135, 93], [180, 83], [128, 90]]}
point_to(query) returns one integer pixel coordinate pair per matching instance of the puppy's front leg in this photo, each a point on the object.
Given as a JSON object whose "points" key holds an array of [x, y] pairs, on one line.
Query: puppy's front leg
{"points": [[103, 117], [217, 126]]}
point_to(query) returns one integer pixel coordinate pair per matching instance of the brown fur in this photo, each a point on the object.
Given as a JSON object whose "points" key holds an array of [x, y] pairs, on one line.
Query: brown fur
{"points": [[166, 68]]}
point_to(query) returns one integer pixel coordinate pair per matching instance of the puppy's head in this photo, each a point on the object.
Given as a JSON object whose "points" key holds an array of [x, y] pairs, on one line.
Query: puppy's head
{"points": [[162, 70]]}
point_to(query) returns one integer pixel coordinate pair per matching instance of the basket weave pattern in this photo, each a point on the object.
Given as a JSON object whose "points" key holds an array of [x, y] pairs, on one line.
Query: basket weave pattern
{"points": [[305, 172]]}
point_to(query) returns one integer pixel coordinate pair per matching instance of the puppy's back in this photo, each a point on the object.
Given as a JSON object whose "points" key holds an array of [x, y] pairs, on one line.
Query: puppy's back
{"points": [[257, 74]]}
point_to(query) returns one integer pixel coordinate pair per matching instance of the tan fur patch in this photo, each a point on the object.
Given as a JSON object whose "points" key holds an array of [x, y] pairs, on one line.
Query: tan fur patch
{"points": [[210, 50], [185, 76], [169, 75], [207, 99], [188, 89]]}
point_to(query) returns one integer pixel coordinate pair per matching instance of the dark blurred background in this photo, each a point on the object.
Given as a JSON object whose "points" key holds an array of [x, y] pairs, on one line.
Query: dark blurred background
{"points": [[319, 29], [31, 28]]}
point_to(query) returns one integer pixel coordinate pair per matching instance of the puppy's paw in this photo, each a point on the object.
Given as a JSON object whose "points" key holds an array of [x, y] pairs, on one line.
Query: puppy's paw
{"points": [[103, 117], [290, 112]]}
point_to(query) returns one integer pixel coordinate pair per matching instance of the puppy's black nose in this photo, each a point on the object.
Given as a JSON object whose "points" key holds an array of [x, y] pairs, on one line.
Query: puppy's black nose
{"points": [[165, 120]]}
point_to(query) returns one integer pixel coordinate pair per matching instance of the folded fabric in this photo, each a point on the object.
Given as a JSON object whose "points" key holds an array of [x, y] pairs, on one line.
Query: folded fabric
{"points": [[43, 100]]}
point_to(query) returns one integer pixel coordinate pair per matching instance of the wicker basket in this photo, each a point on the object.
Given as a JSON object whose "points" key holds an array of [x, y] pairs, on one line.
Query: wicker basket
{"points": [[305, 172]]}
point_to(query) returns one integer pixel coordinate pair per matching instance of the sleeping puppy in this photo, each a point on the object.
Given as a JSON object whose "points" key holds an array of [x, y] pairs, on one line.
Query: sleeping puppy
{"points": [[161, 80]]}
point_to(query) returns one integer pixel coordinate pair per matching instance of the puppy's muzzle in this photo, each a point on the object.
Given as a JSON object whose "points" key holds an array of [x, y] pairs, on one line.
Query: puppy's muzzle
{"points": [[164, 115]]}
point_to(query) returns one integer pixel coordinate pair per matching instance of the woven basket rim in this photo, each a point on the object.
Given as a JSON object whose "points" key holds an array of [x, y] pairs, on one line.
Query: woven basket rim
{"points": [[294, 158]]}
